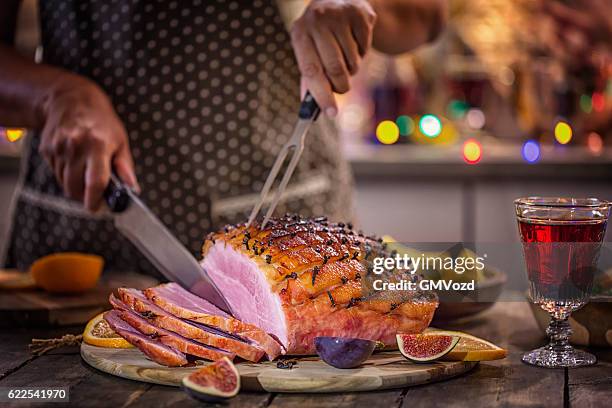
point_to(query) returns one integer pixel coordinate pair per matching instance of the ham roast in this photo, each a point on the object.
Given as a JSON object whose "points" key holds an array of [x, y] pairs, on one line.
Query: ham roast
{"points": [[295, 280], [302, 278]]}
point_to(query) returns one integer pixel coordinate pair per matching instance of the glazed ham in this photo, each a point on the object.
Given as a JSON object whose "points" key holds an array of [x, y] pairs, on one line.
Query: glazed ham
{"points": [[293, 281], [302, 278]]}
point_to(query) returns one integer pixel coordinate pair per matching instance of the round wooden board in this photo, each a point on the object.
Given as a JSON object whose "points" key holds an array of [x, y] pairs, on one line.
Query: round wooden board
{"points": [[310, 374]]}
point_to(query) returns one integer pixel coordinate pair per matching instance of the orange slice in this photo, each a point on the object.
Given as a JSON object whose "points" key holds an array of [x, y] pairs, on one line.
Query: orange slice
{"points": [[67, 272], [98, 333], [471, 348]]}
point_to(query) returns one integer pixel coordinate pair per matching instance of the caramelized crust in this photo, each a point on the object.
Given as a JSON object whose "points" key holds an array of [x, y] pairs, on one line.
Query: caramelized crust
{"points": [[319, 271], [293, 245]]}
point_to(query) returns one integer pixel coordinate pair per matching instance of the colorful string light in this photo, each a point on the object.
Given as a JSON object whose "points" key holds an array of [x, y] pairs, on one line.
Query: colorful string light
{"points": [[598, 101], [531, 151], [387, 132], [475, 118], [430, 125], [14, 134], [563, 132], [472, 151], [595, 143], [457, 109], [405, 125], [586, 103]]}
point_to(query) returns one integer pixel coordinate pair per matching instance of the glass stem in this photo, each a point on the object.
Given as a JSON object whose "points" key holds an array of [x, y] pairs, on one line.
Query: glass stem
{"points": [[559, 332]]}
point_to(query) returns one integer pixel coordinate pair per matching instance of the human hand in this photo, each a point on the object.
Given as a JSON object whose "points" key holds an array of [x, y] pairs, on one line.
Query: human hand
{"points": [[329, 40], [83, 139]]}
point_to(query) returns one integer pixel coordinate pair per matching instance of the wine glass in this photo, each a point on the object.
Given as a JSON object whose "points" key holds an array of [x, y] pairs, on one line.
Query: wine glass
{"points": [[561, 240]]}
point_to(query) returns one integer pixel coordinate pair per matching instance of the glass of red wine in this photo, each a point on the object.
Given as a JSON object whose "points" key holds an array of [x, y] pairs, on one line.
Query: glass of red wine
{"points": [[561, 238]]}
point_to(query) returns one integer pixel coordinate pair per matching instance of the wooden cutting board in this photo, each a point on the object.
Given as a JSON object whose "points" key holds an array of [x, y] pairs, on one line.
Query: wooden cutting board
{"points": [[310, 374], [35, 307]]}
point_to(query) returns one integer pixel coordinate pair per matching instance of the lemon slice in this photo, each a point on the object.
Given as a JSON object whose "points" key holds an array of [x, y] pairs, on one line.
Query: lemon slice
{"points": [[98, 333], [471, 348]]}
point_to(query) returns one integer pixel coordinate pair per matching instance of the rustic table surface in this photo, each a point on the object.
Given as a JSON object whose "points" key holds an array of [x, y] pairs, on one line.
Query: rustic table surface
{"points": [[506, 382]]}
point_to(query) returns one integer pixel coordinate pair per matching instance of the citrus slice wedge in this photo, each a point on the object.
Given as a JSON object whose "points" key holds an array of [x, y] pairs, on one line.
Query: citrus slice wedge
{"points": [[470, 348], [98, 333], [67, 272]]}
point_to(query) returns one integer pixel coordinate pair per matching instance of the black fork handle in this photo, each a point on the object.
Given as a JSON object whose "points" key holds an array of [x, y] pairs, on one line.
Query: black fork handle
{"points": [[309, 108]]}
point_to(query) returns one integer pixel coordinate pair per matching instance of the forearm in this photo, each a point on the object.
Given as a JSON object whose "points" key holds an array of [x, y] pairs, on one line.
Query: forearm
{"points": [[24, 87], [403, 25]]}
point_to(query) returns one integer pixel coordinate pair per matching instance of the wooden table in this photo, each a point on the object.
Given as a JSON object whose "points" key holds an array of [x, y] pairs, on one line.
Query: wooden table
{"points": [[499, 383]]}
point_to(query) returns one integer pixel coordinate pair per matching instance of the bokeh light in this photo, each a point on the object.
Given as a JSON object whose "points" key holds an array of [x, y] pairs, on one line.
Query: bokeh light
{"points": [[457, 109], [563, 132], [472, 151], [531, 151], [586, 103], [598, 101], [475, 118], [14, 134], [405, 125], [387, 132], [595, 143], [448, 135], [430, 125]]}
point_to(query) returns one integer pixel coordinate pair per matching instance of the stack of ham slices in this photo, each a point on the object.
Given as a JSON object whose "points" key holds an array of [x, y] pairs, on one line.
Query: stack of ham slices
{"points": [[286, 284], [167, 323]]}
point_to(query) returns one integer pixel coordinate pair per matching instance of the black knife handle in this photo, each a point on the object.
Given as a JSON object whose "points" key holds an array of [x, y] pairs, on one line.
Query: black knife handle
{"points": [[116, 195], [309, 108]]}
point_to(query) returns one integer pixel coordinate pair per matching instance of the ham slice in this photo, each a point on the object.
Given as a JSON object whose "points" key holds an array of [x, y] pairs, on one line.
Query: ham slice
{"points": [[155, 350], [181, 303], [167, 337], [200, 333], [302, 278]]}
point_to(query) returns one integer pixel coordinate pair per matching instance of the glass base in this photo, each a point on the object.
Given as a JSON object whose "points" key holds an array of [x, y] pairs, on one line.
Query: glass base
{"points": [[548, 357]]}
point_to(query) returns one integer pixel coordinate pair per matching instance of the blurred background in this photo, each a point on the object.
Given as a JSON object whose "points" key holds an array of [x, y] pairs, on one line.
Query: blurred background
{"points": [[507, 103]]}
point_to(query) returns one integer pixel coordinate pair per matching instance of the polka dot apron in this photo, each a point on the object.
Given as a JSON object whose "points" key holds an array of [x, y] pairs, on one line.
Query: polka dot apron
{"points": [[208, 92]]}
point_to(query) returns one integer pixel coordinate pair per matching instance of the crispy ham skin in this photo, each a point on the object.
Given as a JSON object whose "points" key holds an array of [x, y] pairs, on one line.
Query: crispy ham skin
{"points": [[302, 278], [136, 301], [154, 349], [167, 337], [181, 303]]}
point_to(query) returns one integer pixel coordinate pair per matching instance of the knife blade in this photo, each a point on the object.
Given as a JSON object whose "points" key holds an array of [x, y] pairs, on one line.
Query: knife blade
{"points": [[141, 227]]}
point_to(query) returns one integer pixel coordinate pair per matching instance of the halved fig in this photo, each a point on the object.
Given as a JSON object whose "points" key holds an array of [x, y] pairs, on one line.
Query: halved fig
{"points": [[215, 382], [425, 347], [344, 352]]}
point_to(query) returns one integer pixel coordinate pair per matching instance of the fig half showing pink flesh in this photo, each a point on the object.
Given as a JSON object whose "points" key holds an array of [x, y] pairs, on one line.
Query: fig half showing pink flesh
{"points": [[425, 347], [215, 382], [344, 352]]}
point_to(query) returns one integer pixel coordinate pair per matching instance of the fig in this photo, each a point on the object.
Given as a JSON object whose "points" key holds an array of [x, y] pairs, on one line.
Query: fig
{"points": [[215, 382], [425, 347], [344, 352]]}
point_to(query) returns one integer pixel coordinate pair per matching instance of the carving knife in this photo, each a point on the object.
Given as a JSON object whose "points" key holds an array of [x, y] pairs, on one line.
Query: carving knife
{"points": [[138, 224]]}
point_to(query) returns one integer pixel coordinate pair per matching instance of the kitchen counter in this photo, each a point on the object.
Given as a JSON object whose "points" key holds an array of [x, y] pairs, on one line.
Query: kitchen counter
{"points": [[499, 161], [505, 382]]}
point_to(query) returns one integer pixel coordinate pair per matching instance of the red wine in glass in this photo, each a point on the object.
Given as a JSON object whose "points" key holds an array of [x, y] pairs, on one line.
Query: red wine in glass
{"points": [[561, 259], [562, 239]]}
